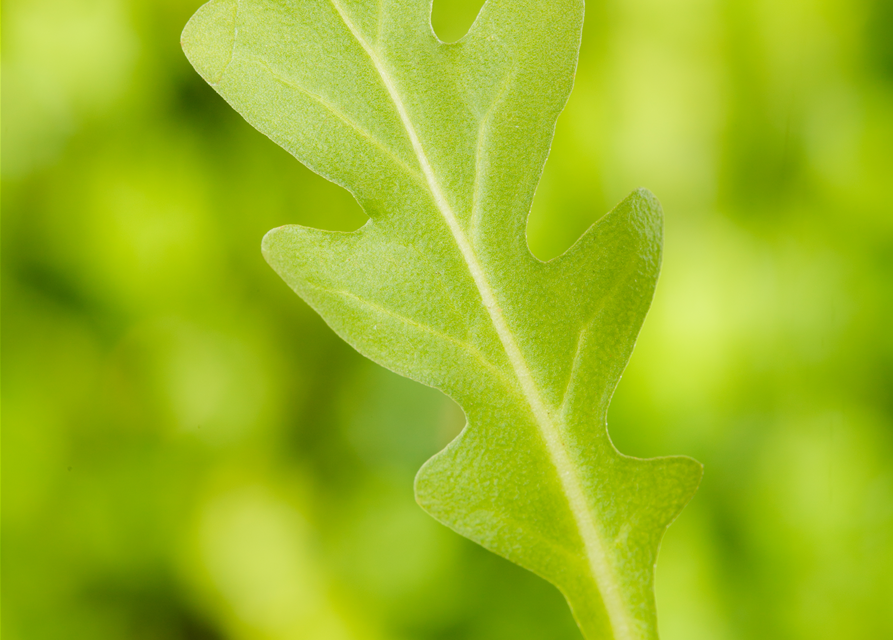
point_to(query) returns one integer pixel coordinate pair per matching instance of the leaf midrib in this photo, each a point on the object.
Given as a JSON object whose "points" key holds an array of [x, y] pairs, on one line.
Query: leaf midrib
{"points": [[594, 547]]}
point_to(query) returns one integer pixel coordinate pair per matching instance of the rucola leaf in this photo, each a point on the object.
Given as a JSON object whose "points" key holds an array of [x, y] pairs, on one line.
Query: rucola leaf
{"points": [[443, 145]]}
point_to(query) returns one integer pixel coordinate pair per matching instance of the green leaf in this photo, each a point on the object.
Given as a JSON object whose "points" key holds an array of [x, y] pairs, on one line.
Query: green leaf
{"points": [[443, 146]]}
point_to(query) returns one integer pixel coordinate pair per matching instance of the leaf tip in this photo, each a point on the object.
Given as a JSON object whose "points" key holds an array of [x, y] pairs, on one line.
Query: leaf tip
{"points": [[646, 202], [209, 37], [270, 244], [688, 473], [646, 214]]}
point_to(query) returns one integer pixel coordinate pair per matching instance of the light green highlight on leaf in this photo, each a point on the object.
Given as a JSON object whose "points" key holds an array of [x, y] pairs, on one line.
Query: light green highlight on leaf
{"points": [[443, 146]]}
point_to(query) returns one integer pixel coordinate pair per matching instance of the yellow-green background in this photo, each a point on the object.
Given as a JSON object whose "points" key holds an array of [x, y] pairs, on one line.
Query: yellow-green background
{"points": [[190, 454]]}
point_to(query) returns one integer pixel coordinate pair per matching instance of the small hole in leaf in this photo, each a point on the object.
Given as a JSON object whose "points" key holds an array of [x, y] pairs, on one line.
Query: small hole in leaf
{"points": [[451, 19]]}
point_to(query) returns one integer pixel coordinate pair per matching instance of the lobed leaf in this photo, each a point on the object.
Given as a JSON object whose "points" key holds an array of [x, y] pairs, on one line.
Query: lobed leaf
{"points": [[442, 146]]}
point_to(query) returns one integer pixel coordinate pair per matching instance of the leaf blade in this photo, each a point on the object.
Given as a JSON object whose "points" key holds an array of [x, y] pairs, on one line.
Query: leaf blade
{"points": [[442, 145]]}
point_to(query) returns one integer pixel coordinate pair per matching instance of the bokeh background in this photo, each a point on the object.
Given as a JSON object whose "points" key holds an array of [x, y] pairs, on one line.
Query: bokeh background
{"points": [[189, 453]]}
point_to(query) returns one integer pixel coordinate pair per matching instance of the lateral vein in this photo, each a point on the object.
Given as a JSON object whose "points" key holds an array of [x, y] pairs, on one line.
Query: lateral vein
{"points": [[483, 133], [575, 365], [335, 111], [466, 346]]}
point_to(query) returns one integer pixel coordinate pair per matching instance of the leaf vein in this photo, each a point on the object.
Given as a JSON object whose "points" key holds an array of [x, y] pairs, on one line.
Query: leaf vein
{"points": [[578, 353], [483, 134], [466, 346], [335, 111]]}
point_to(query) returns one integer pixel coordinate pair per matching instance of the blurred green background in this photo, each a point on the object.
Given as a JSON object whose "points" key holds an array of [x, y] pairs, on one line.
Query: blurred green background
{"points": [[190, 453]]}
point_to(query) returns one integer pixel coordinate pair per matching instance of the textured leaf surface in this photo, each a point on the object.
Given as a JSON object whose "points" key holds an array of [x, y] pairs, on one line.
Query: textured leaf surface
{"points": [[443, 146]]}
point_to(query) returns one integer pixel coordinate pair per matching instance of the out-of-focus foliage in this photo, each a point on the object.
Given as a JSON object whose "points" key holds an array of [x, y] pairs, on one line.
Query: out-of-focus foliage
{"points": [[188, 452]]}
